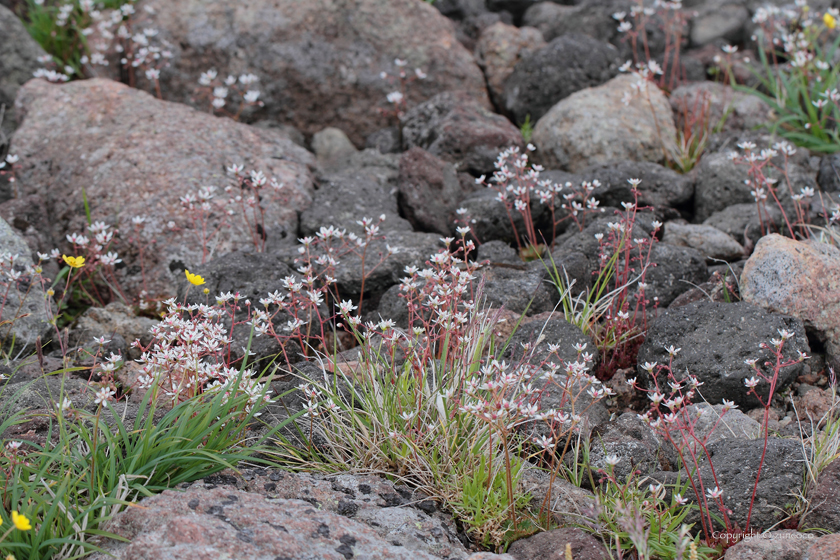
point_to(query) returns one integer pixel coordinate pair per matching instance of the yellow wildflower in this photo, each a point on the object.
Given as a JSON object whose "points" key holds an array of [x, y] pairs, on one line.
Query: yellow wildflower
{"points": [[11, 557], [829, 21], [21, 521], [74, 262], [194, 279]]}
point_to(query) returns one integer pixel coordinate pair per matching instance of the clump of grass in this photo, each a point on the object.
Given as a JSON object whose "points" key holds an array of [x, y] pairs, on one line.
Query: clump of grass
{"points": [[94, 464]]}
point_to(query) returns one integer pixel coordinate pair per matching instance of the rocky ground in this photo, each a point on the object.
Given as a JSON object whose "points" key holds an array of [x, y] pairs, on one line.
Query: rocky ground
{"points": [[325, 132]]}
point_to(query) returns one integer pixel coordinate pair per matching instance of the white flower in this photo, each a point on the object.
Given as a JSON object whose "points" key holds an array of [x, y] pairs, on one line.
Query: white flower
{"points": [[103, 395], [612, 460], [395, 97], [752, 382], [251, 96], [714, 493]]}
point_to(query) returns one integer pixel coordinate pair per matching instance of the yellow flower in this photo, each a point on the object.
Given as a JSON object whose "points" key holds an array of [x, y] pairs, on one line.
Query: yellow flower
{"points": [[74, 262], [20, 521], [829, 21], [194, 279], [11, 557]]}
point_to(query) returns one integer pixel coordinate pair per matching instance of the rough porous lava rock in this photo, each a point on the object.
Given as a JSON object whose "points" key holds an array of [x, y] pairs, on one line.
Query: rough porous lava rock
{"points": [[566, 501], [408, 249], [365, 187], [18, 60], [204, 523], [713, 100], [136, 156], [319, 62], [797, 278], [660, 186], [736, 463], [675, 270], [825, 499], [743, 223], [721, 183], [826, 548], [786, 544], [457, 129], [531, 343], [715, 339], [24, 303], [642, 130], [522, 288], [710, 241], [500, 47], [114, 320], [429, 191], [567, 64], [552, 545], [396, 513], [636, 445]]}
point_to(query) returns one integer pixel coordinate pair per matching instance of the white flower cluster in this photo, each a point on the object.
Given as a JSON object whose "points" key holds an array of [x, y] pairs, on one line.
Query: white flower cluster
{"points": [[188, 355]]}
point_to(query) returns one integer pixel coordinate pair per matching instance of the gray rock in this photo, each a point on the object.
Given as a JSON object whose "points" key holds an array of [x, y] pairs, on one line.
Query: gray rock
{"points": [[457, 129], [500, 47], [829, 175], [552, 545], [567, 64], [233, 523], [736, 463], [675, 270], [364, 188], [798, 278], [136, 156], [113, 320], [565, 501], [719, 20], [386, 140], [715, 339], [743, 223], [712, 424], [594, 18], [332, 147], [410, 249], [786, 544], [633, 442], [319, 63], [490, 221], [545, 16], [24, 303], [718, 102], [530, 343], [18, 60], [824, 498], [519, 288], [498, 252], [539, 334], [620, 132], [253, 276], [660, 186], [710, 241], [721, 183], [429, 191]]}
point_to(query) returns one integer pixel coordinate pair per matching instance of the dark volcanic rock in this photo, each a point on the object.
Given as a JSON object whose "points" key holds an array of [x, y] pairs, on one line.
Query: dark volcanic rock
{"points": [[457, 129], [429, 191], [318, 62], [715, 339], [568, 64]]}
